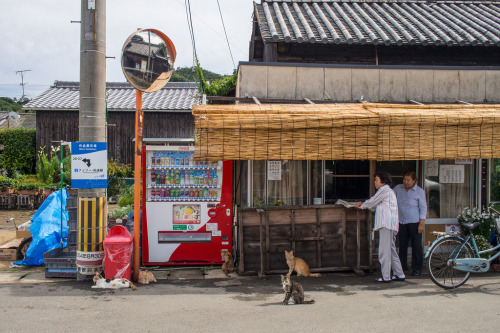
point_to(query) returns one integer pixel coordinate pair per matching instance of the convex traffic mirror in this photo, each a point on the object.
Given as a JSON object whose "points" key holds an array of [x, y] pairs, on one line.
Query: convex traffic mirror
{"points": [[148, 58]]}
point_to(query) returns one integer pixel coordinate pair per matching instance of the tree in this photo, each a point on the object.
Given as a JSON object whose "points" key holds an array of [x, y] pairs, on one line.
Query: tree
{"points": [[183, 74], [9, 104]]}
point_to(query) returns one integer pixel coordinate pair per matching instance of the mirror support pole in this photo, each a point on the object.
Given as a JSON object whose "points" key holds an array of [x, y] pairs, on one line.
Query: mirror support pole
{"points": [[139, 117]]}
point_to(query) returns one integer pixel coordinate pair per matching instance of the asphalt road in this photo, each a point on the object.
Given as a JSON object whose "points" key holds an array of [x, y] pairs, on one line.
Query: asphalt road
{"points": [[344, 303]]}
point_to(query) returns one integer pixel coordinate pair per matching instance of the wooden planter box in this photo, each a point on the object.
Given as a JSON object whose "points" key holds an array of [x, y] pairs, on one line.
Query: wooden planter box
{"points": [[6, 191], [327, 237], [27, 192]]}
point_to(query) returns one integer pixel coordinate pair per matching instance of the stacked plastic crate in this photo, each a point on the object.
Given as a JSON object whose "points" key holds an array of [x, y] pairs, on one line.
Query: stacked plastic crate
{"points": [[62, 263]]}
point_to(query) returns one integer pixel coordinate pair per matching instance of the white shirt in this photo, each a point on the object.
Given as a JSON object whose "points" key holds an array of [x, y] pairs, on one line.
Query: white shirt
{"points": [[386, 208]]}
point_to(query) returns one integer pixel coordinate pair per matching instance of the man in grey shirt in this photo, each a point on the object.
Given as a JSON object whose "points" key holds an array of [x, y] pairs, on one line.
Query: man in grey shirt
{"points": [[412, 208]]}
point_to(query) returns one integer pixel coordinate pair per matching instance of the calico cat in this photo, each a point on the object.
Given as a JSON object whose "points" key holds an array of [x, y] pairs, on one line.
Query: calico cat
{"points": [[101, 282], [299, 265], [293, 290], [145, 277], [228, 265]]}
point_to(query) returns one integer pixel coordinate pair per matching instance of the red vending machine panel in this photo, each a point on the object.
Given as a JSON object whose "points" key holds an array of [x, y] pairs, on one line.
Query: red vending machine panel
{"points": [[187, 207]]}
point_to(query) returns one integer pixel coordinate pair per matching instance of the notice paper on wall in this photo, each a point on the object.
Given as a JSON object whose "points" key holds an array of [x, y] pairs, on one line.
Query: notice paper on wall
{"points": [[273, 170], [451, 174], [431, 168]]}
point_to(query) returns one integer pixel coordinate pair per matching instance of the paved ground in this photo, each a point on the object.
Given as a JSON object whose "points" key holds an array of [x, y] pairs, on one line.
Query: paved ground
{"points": [[189, 301]]}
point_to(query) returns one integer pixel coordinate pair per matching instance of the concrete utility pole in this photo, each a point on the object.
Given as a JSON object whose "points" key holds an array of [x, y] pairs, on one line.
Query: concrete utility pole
{"points": [[92, 208], [21, 72]]}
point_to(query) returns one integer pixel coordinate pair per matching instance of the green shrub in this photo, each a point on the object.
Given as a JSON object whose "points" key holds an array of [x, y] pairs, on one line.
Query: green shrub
{"points": [[5, 182], [48, 167], [19, 150], [116, 172], [126, 196], [120, 212]]}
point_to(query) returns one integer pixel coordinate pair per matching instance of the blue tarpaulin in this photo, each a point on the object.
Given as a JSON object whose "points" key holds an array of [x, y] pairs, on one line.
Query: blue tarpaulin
{"points": [[46, 228]]}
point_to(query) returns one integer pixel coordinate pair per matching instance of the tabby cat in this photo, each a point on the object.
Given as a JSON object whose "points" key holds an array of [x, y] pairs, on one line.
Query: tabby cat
{"points": [[228, 265], [299, 265], [293, 290]]}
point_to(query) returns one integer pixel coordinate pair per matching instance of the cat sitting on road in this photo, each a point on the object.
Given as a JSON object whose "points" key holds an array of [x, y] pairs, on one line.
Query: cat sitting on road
{"points": [[228, 265], [299, 265], [101, 282], [293, 290], [145, 277]]}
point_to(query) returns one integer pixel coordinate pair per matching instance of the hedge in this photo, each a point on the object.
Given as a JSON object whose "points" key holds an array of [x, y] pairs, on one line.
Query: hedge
{"points": [[19, 150]]}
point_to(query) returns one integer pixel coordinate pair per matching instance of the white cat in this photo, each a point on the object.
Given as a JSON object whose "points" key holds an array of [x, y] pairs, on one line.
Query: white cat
{"points": [[101, 282]]}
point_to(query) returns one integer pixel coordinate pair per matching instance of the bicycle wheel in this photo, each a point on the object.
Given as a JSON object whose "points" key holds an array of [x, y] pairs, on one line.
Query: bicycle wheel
{"points": [[437, 263]]}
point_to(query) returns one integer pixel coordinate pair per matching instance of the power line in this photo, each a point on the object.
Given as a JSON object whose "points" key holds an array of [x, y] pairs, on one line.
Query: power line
{"points": [[211, 28], [21, 72], [225, 33], [191, 30]]}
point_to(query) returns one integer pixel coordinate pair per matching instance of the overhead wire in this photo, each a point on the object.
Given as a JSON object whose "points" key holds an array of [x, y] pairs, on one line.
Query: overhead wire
{"points": [[187, 4], [191, 30], [225, 33]]}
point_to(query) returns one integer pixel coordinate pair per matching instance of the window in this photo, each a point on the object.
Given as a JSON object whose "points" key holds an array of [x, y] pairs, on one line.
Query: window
{"points": [[346, 180], [396, 169], [288, 189], [495, 180], [316, 182], [447, 187]]}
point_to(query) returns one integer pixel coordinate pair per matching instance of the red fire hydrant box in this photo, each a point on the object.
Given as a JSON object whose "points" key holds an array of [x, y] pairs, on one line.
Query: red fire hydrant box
{"points": [[118, 249]]}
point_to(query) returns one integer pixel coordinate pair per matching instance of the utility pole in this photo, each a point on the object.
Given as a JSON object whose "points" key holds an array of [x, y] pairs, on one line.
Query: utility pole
{"points": [[92, 128], [21, 72]]}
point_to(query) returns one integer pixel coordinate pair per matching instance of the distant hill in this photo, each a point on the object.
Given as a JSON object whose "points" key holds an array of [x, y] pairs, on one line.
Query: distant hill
{"points": [[180, 74], [9, 104]]}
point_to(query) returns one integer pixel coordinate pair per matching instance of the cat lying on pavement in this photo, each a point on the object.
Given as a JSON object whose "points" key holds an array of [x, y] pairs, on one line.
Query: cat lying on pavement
{"points": [[100, 282]]}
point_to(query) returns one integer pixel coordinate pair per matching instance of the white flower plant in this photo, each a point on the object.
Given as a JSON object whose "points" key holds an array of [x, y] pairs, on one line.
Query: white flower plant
{"points": [[483, 231]]}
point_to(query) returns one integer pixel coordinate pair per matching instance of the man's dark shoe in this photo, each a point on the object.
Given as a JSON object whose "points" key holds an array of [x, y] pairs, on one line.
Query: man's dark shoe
{"points": [[415, 273]]}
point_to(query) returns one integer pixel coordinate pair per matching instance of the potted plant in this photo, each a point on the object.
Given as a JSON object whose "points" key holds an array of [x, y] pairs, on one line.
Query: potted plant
{"points": [[6, 185]]}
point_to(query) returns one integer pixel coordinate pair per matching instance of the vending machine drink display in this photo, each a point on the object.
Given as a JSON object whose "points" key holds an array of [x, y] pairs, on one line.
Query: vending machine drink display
{"points": [[187, 207]]}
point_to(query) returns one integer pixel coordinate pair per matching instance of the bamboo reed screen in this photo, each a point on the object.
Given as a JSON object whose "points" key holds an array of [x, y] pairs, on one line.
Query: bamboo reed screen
{"points": [[346, 132]]}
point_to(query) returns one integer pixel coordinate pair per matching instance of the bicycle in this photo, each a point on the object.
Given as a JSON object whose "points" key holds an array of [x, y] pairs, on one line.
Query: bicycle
{"points": [[452, 256]]}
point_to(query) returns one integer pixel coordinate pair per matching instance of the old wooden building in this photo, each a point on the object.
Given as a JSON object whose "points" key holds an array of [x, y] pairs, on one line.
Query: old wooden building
{"points": [[424, 59], [167, 114]]}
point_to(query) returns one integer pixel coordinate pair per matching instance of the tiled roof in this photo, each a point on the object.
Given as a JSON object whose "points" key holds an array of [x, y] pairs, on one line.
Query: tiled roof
{"points": [[120, 97], [380, 22]]}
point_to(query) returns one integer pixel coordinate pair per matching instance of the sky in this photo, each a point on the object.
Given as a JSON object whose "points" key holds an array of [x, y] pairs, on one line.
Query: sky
{"points": [[39, 36]]}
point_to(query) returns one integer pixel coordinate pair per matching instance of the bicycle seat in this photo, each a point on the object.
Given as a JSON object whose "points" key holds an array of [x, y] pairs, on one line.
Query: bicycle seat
{"points": [[470, 226]]}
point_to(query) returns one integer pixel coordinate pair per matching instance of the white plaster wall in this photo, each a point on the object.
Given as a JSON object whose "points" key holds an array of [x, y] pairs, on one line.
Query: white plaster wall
{"points": [[375, 85]]}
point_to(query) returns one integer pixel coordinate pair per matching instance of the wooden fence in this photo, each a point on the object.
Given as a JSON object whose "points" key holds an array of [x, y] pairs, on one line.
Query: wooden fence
{"points": [[327, 237]]}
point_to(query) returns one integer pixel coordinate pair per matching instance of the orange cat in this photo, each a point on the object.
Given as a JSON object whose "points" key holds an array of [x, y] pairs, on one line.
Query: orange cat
{"points": [[299, 265]]}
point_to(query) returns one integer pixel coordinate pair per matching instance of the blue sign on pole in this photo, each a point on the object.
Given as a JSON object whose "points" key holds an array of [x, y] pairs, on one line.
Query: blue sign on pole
{"points": [[89, 165]]}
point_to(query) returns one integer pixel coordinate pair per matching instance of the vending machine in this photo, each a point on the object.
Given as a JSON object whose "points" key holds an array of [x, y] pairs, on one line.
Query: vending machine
{"points": [[187, 207]]}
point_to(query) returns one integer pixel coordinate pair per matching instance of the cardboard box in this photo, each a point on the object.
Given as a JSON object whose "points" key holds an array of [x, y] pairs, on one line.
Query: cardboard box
{"points": [[8, 251], [23, 233], [8, 254]]}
